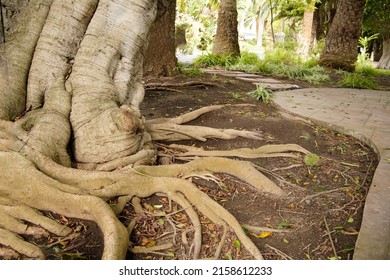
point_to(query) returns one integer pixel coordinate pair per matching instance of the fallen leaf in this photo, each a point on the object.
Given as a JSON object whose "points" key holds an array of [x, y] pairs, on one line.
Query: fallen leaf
{"points": [[237, 244], [264, 234], [151, 244]]}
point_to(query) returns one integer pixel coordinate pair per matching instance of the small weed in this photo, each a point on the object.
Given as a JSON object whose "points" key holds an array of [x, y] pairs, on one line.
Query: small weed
{"points": [[311, 160], [284, 225], [261, 93], [237, 96]]}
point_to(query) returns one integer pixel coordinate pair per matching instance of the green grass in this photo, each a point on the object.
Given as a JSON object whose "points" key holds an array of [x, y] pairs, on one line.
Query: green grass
{"points": [[278, 62], [210, 60], [357, 80]]}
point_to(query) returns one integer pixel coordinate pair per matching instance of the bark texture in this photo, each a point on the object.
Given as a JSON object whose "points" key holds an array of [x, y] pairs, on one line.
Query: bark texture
{"points": [[160, 57], [384, 62], [341, 42], [78, 67], [308, 34], [226, 39]]}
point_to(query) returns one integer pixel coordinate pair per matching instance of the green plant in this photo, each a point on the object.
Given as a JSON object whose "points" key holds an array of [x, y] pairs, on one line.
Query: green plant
{"points": [[357, 80], [311, 160], [261, 93], [189, 71], [210, 60]]}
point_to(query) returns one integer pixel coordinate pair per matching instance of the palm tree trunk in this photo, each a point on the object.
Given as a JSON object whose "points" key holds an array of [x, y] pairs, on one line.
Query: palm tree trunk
{"points": [[341, 43], [226, 39]]}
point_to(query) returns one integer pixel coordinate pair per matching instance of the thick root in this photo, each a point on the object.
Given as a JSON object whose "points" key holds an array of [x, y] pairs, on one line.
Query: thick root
{"points": [[240, 169], [284, 150], [15, 242], [23, 212], [25, 184], [172, 129], [174, 132]]}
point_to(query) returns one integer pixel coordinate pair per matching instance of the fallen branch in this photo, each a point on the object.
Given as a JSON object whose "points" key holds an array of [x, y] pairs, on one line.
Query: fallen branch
{"points": [[280, 253], [324, 192], [330, 238], [257, 229]]}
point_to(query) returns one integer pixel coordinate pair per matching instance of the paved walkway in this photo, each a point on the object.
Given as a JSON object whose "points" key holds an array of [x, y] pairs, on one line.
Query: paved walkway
{"points": [[364, 114]]}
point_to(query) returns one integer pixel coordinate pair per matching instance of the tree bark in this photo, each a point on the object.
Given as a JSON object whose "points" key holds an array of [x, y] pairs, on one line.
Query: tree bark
{"points": [[384, 62], [160, 57], [341, 42], [78, 67], [308, 33], [226, 39]]}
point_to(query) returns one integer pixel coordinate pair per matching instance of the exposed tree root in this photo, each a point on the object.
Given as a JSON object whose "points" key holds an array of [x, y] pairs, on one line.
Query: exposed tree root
{"points": [[174, 85], [173, 130], [31, 181]]}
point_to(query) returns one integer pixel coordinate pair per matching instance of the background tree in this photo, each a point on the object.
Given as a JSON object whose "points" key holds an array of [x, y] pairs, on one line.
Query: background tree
{"points": [[160, 57], [341, 42], [309, 28], [70, 94], [377, 20], [226, 39]]}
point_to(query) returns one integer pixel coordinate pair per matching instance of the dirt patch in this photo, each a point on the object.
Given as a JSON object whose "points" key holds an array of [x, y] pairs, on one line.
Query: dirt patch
{"points": [[319, 219]]}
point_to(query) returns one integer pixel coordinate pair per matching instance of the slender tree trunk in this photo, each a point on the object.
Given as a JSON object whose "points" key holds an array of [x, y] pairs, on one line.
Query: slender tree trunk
{"points": [[160, 57], [226, 39], [341, 42], [260, 23], [384, 62], [308, 33]]}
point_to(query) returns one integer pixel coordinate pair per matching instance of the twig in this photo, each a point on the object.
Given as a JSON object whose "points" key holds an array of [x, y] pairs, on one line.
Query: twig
{"points": [[187, 84], [146, 250], [330, 238], [280, 253], [287, 167], [324, 192], [257, 229]]}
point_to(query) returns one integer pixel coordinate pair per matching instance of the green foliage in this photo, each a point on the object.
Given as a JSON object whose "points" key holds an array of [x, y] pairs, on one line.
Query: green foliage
{"points": [[376, 17], [357, 80], [291, 8], [261, 93], [210, 60], [189, 71]]}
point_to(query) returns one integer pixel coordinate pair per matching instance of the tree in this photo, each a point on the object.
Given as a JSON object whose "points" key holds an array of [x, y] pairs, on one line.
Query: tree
{"points": [[341, 42], [377, 20], [308, 33], [70, 95], [160, 58], [256, 12], [226, 39]]}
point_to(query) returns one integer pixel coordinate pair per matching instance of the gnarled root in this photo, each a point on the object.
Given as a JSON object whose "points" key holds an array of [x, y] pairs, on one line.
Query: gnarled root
{"points": [[173, 130], [35, 189]]}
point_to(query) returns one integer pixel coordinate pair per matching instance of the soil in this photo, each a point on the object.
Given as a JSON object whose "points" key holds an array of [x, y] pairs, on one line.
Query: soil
{"points": [[319, 219]]}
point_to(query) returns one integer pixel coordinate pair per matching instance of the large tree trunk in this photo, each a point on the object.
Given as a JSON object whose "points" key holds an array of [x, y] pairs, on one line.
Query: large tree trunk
{"points": [[70, 95], [341, 42], [160, 57], [226, 39], [384, 62]]}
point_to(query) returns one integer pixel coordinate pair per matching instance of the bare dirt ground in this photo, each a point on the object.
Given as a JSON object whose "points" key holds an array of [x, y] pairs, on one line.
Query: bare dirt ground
{"points": [[319, 219]]}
